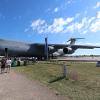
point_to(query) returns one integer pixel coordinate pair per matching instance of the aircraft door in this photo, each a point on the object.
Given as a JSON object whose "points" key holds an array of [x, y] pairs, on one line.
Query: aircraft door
{"points": [[6, 52]]}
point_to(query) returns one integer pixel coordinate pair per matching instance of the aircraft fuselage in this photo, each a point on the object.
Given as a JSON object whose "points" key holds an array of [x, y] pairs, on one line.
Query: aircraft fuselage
{"points": [[19, 48]]}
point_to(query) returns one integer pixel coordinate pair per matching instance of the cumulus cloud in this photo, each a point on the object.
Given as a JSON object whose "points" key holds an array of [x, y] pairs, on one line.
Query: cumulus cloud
{"points": [[68, 2], [47, 10], [14, 17], [56, 9], [77, 15], [85, 12], [88, 43], [95, 26], [91, 19], [37, 23], [98, 16], [97, 43], [61, 25], [92, 43], [65, 42], [79, 43], [75, 26], [98, 4], [26, 29], [58, 25], [19, 17], [41, 29], [84, 32]]}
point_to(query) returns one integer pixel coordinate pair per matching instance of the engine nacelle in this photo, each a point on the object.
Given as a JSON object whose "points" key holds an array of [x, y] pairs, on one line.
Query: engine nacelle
{"points": [[68, 50], [51, 49]]}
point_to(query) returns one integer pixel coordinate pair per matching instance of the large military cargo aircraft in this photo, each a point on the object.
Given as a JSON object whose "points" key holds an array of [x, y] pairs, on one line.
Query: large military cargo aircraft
{"points": [[13, 48]]}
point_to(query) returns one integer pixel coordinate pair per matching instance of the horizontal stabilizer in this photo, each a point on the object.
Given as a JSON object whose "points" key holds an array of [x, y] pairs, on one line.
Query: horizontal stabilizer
{"points": [[73, 40]]}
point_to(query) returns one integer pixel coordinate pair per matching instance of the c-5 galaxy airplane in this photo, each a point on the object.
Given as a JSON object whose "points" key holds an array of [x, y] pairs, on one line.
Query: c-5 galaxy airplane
{"points": [[13, 48]]}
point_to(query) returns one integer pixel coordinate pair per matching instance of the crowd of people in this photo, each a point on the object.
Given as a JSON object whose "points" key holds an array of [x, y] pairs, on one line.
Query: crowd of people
{"points": [[5, 63]]}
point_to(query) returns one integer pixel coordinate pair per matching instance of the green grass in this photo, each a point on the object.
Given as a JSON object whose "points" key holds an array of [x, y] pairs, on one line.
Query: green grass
{"points": [[86, 83]]}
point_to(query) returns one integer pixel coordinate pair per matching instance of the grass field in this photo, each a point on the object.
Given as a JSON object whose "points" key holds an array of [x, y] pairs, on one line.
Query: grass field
{"points": [[82, 82]]}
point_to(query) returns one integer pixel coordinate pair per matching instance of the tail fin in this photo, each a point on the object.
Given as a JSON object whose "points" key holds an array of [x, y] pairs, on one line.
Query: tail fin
{"points": [[73, 40]]}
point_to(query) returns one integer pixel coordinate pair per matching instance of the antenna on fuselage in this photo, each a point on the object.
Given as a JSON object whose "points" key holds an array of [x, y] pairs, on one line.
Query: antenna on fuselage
{"points": [[73, 40]]}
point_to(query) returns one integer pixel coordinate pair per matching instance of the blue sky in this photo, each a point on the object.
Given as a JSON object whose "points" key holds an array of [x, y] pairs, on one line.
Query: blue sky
{"points": [[32, 20]]}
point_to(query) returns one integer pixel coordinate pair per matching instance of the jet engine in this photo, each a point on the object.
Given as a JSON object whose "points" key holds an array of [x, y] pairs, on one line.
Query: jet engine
{"points": [[68, 50], [51, 49], [64, 51]]}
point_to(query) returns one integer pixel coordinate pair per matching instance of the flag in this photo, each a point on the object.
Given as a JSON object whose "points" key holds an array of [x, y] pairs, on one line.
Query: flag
{"points": [[45, 46]]}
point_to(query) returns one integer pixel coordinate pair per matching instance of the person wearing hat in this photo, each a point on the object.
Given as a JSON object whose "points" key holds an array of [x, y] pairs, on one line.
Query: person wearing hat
{"points": [[3, 62]]}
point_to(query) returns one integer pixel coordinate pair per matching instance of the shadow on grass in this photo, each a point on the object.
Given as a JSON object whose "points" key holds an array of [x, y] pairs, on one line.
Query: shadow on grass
{"points": [[57, 79], [24, 65], [16, 66]]}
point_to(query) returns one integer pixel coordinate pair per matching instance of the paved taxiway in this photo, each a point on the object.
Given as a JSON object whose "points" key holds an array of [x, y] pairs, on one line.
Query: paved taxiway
{"points": [[15, 86], [77, 59]]}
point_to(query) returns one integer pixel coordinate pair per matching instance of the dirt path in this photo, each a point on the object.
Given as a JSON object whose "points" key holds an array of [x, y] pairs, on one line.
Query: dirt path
{"points": [[15, 86]]}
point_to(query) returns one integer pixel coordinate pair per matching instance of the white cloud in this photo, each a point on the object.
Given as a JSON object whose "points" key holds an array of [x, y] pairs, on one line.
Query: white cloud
{"points": [[88, 22], [26, 29], [97, 43], [70, 29], [37, 23], [62, 5], [75, 26], [14, 17], [47, 10], [77, 15], [95, 26], [78, 25], [65, 42], [84, 20], [84, 32], [88, 43], [98, 4], [58, 25], [19, 17], [68, 2], [91, 19], [79, 43], [57, 29], [40, 31], [56, 9], [85, 12], [61, 25], [98, 16]]}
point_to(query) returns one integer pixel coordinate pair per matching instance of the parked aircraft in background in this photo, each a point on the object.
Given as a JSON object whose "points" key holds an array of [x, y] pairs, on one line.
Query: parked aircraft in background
{"points": [[13, 48]]}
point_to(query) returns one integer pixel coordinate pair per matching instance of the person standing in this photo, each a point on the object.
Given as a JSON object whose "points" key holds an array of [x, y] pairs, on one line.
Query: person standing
{"points": [[8, 65], [3, 62], [28, 60]]}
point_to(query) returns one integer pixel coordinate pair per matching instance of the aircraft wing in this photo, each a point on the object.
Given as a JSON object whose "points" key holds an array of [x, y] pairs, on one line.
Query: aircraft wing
{"points": [[57, 46], [84, 47], [61, 46]]}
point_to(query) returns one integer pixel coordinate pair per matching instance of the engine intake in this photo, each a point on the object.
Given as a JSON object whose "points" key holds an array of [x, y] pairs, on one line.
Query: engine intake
{"points": [[68, 50], [51, 49]]}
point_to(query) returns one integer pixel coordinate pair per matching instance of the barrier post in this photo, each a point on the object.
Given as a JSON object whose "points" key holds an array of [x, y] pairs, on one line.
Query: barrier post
{"points": [[65, 70]]}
